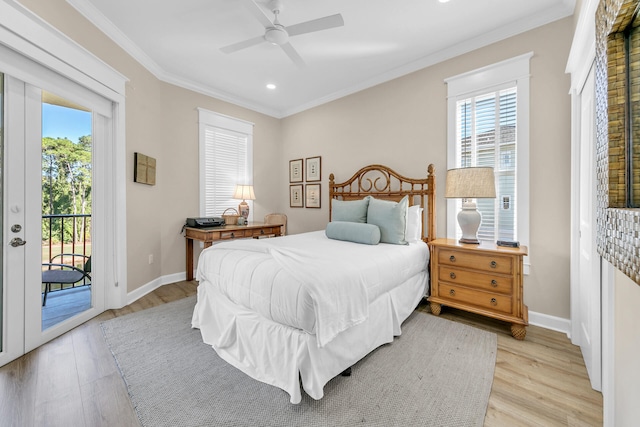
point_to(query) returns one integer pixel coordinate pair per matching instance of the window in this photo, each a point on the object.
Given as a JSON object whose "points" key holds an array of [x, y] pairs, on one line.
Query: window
{"points": [[488, 113], [226, 159], [486, 136]]}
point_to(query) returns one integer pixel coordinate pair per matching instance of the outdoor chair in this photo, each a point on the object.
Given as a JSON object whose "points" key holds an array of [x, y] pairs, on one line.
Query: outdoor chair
{"points": [[65, 274]]}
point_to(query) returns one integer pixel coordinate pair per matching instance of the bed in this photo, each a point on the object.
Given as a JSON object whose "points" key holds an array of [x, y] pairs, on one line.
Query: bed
{"points": [[296, 311]]}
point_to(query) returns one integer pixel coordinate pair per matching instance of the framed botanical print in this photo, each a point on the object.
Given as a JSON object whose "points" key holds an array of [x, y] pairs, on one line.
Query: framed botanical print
{"points": [[296, 199], [313, 169], [312, 195], [295, 170]]}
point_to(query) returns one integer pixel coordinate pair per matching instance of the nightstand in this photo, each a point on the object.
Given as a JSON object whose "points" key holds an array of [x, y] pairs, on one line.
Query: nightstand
{"points": [[485, 279]]}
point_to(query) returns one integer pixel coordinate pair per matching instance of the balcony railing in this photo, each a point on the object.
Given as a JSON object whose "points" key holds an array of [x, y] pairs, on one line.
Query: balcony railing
{"points": [[66, 234]]}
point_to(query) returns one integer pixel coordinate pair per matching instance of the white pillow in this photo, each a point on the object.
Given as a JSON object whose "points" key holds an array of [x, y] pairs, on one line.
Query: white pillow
{"points": [[413, 233]]}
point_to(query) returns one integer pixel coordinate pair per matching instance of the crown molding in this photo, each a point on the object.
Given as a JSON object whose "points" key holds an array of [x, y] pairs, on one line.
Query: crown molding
{"points": [[25, 32], [93, 15], [583, 48], [220, 95], [562, 10]]}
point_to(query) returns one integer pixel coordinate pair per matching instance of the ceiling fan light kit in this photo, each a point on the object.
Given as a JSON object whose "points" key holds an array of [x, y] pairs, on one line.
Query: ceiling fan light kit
{"points": [[277, 34]]}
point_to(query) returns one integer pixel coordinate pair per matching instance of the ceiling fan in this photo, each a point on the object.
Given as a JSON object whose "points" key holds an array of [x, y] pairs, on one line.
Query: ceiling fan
{"points": [[278, 34]]}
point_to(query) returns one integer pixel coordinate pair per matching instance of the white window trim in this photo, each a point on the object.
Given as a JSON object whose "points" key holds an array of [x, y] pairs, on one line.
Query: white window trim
{"points": [[207, 118], [482, 80]]}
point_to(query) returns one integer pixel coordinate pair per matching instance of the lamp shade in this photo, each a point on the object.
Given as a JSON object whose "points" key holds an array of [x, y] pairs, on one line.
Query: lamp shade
{"points": [[244, 192], [470, 183]]}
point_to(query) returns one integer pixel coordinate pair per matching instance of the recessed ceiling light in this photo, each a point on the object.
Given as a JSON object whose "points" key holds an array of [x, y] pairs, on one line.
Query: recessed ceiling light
{"points": [[271, 86], [443, 1]]}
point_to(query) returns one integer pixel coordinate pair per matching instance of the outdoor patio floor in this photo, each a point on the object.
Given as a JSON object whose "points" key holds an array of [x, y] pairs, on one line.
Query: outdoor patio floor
{"points": [[64, 304]]}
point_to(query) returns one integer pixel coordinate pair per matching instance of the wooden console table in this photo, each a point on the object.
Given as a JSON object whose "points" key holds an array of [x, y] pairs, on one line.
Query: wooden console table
{"points": [[226, 232]]}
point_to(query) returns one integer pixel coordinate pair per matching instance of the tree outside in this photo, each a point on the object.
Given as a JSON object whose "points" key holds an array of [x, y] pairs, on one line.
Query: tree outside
{"points": [[66, 186]]}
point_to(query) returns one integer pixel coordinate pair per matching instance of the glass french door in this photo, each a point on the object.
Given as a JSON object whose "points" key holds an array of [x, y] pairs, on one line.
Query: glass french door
{"points": [[66, 208], [1, 207], [46, 179]]}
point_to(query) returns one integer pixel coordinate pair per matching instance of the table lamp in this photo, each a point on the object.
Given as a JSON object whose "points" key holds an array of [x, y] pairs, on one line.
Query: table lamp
{"points": [[468, 184], [244, 192]]}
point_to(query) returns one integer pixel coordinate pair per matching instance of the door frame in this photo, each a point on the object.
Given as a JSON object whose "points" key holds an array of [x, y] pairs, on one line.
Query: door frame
{"points": [[579, 77], [13, 343], [581, 56], [593, 360], [26, 33]]}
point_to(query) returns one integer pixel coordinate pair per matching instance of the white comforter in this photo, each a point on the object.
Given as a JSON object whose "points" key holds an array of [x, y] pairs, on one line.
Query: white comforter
{"points": [[308, 281]]}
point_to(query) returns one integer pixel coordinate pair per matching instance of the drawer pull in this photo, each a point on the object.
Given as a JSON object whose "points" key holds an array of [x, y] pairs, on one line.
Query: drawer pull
{"points": [[452, 275], [494, 283], [452, 292], [494, 264], [233, 235], [494, 302], [452, 258], [261, 231]]}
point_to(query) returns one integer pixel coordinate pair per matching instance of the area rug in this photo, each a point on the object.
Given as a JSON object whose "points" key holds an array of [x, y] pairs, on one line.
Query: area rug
{"points": [[437, 373]]}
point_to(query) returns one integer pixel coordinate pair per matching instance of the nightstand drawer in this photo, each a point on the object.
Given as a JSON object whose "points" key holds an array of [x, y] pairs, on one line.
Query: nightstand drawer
{"points": [[491, 301], [488, 282], [485, 262]]}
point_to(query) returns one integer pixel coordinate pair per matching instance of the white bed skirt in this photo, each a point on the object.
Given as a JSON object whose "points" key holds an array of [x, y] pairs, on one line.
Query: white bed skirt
{"points": [[281, 355]]}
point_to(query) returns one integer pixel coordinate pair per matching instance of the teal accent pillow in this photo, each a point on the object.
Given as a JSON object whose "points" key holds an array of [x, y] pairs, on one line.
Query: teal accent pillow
{"points": [[350, 210], [391, 218], [356, 232]]}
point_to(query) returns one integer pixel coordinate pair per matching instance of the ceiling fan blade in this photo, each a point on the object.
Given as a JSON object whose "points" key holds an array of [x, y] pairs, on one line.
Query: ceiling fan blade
{"points": [[293, 55], [242, 45], [258, 13], [319, 24]]}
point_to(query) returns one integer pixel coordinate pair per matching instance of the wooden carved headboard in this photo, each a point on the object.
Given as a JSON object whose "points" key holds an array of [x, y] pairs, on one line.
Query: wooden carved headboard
{"points": [[384, 183]]}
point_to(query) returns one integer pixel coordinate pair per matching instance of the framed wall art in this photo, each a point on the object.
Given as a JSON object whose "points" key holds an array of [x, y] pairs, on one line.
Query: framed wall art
{"points": [[144, 169], [296, 199], [313, 168], [312, 195], [295, 170]]}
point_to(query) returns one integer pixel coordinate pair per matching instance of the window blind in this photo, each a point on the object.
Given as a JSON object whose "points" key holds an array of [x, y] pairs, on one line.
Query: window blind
{"points": [[486, 136], [226, 160], [226, 165]]}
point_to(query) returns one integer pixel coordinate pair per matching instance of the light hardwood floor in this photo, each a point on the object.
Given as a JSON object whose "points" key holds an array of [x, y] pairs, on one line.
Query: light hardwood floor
{"points": [[74, 381], [541, 381]]}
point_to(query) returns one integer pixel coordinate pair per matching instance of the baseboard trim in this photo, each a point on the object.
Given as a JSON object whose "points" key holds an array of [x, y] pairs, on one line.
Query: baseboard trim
{"points": [[550, 322], [143, 290]]}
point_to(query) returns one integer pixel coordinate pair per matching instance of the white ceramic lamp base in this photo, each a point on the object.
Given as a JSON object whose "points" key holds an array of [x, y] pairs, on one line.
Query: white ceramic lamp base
{"points": [[469, 219]]}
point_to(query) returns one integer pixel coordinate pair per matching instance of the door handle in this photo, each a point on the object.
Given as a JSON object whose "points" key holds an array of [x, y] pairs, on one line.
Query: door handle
{"points": [[16, 241]]}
